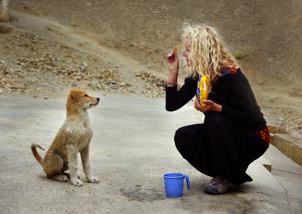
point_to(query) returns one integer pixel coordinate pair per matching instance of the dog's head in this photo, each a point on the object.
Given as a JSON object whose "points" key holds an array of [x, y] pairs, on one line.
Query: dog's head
{"points": [[82, 99]]}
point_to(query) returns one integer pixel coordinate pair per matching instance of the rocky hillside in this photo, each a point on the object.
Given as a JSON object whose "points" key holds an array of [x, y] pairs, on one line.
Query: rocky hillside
{"points": [[120, 47]]}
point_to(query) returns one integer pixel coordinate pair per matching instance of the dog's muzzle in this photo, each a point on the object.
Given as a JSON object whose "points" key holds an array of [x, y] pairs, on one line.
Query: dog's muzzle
{"points": [[94, 104]]}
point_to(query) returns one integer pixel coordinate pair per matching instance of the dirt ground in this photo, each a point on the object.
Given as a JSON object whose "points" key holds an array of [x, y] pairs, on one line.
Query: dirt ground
{"points": [[114, 46]]}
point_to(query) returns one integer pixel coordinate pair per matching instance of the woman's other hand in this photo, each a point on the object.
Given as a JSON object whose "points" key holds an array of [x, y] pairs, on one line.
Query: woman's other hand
{"points": [[210, 106]]}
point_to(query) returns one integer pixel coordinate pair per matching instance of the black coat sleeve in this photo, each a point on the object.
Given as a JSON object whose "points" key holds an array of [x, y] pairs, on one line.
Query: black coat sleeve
{"points": [[175, 99]]}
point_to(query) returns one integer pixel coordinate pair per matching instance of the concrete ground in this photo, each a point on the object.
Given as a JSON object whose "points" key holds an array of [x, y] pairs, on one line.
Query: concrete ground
{"points": [[131, 150]]}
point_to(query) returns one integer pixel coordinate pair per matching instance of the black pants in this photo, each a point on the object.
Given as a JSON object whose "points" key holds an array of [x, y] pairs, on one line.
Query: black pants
{"points": [[220, 147]]}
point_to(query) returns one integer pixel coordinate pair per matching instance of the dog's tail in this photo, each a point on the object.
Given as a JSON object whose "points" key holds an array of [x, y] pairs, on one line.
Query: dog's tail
{"points": [[36, 154]]}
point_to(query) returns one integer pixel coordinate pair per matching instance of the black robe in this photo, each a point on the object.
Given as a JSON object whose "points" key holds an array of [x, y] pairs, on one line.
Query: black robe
{"points": [[227, 142]]}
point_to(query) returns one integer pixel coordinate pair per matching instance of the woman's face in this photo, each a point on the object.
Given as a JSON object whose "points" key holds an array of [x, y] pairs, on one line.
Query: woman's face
{"points": [[186, 53]]}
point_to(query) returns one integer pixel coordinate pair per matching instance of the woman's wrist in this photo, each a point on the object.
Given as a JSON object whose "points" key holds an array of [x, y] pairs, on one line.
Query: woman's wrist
{"points": [[172, 80], [172, 83], [218, 108]]}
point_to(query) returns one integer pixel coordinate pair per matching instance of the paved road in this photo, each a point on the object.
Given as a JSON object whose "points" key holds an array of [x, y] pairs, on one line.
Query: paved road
{"points": [[131, 150]]}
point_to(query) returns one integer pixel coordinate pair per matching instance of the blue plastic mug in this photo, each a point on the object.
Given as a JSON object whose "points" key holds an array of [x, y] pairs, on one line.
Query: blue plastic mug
{"points": [[174, 184]]}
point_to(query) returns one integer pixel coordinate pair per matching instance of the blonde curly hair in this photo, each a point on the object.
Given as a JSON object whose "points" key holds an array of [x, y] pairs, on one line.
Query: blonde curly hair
{"points": [[208, 54]]}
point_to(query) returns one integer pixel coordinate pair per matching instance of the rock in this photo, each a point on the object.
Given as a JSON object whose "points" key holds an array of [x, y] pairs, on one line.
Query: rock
{"points": [[78, 77]]}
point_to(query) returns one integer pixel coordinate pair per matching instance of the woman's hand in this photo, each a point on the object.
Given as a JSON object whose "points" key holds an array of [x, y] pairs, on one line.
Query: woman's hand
{"points": [[173, 66], [210, 106], [173, 63]]}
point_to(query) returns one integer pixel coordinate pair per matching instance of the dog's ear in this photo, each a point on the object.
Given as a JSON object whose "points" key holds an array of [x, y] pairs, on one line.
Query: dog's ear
{"points": [[74, 95]]}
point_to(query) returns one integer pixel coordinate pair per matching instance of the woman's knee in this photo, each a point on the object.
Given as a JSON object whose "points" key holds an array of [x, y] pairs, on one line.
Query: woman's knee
{"points": [[178, 135], [180, 138]]}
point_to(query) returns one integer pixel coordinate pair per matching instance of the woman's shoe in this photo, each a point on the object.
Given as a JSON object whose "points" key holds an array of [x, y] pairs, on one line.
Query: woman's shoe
{"points": [[219, 185]]}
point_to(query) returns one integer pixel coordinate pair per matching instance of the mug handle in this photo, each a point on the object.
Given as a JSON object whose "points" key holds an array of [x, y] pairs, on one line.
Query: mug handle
{"points": [[188, 181]]}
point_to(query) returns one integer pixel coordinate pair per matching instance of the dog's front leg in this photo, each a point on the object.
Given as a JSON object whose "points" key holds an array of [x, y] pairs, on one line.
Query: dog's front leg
{"points": [[72, 154], [86, 165]]}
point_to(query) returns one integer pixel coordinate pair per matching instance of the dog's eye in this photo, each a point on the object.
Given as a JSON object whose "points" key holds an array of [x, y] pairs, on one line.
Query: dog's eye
{"points": [[85, 95]]}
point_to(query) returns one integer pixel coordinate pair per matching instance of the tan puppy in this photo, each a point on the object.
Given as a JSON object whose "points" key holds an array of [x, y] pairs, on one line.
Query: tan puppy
{"points": [[73, 137]]}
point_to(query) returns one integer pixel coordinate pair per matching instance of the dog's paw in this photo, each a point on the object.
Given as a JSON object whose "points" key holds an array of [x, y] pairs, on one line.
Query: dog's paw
{"points": [[93, 179], [68, 175], [60, 178], [76, 182]]}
